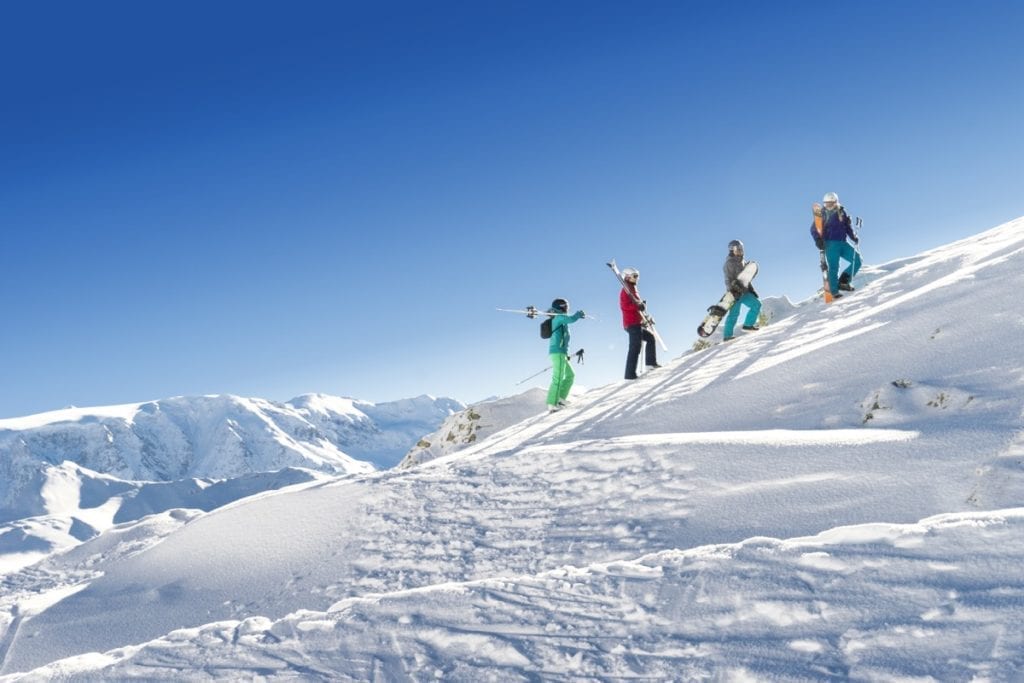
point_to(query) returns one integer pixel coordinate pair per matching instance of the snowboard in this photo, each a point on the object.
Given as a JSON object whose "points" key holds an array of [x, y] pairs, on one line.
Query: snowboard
{"points": [[718, 311], [819, 225]]}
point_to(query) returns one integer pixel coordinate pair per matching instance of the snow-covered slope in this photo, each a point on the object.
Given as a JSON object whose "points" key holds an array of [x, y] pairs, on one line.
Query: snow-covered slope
{"points": [[82, 504], [836, 496], [934, 601]]}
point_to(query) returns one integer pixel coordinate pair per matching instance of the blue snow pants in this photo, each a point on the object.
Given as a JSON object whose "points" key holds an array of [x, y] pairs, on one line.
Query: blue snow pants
{"points": [[835, 250], [753, 305]]}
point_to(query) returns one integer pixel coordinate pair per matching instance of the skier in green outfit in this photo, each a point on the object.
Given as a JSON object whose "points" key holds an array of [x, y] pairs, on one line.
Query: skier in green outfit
{"points": [[562, 375]]}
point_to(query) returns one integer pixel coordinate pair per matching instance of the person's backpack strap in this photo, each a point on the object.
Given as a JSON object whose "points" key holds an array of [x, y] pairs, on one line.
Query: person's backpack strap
{"points": [[844, 217]]}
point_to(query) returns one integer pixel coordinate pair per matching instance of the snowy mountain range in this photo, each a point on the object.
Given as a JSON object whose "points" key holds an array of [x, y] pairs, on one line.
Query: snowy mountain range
{"points": [[839, 495], [69, 474]]}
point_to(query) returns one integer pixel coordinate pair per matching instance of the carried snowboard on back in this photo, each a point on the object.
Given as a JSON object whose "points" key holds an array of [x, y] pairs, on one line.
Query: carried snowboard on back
{"points": [[718, 311]]}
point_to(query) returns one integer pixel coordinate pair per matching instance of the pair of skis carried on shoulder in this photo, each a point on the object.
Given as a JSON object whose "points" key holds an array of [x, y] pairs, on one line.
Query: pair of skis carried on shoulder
{"points": [[648, 322], [530, 311]]}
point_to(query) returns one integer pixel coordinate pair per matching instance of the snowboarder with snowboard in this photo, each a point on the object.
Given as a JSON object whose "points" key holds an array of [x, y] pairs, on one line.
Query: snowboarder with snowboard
{"points": [[836, 228], [744, 294], [632, 307], [562, 375]]}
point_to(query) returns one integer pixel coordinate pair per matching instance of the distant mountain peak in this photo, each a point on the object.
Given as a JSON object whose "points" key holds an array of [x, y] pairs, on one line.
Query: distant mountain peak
{"points": [[213, 436]]}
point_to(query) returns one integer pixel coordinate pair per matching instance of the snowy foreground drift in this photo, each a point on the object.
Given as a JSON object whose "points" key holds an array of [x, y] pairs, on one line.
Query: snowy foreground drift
{"points": [[838, 495], [941, 598]]}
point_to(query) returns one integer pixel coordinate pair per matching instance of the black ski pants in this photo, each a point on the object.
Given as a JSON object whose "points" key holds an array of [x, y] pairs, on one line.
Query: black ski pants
{"points": [[637, 335]]}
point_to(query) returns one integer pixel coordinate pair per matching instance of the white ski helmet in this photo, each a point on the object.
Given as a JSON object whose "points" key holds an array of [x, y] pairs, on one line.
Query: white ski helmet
{"points": [[736, 247], [630, 272], [830, 197]]}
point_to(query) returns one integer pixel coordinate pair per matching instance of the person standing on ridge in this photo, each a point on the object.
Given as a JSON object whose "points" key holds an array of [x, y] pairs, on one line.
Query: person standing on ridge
{"points": [[562, 375], [836, 228], [744, 294], [633, 322]]}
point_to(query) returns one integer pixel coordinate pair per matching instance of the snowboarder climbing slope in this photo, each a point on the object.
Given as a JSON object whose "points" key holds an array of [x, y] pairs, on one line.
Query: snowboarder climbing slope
{"points": [[744, 293]]}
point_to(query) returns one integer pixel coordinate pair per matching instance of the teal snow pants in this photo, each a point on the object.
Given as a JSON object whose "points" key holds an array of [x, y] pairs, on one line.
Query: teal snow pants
{"points": [[753, 305], [835, 250]]}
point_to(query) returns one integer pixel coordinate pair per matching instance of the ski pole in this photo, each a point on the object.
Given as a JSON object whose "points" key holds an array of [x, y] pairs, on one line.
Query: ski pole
{"points": [[533, 375], [579, 360], [856, 245]]}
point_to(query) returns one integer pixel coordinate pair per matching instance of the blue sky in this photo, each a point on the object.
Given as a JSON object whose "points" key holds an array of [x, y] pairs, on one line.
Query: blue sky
{"points": [[270, 199]]}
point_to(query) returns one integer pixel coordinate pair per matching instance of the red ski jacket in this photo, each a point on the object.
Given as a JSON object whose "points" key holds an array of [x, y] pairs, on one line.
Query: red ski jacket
{"points": [[630, 312]]}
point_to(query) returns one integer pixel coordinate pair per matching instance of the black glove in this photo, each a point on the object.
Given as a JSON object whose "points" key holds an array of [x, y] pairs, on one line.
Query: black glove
{"points": [[819, 243], [642, 306], [736, 289], [856, 240]]}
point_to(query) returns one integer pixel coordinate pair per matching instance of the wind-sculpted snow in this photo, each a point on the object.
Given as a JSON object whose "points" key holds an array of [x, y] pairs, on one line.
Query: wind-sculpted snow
{"points": [[84, 503], [529, 510], [942, 599], [633, 534]]}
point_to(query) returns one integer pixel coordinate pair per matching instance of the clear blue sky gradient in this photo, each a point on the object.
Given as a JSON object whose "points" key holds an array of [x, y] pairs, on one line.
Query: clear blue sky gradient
{"points": [[270, 199]]}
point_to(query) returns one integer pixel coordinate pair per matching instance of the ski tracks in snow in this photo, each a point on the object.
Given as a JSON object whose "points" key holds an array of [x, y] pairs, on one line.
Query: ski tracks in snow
{"points": [[526, 511], [870, 602]]}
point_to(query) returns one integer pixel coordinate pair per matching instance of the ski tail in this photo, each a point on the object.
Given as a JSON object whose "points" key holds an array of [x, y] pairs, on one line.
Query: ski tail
{"points": [[819, 225]]}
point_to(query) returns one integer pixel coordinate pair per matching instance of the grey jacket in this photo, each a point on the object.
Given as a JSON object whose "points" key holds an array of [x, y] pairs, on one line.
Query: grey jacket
{"points": [[734, 265]]}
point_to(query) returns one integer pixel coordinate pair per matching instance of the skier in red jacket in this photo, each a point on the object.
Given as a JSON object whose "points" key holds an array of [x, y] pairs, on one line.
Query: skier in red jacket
{"points": [[632, 322]]}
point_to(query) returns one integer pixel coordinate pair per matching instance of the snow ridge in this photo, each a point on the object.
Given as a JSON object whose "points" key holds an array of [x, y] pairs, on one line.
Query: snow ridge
{"points": [[835, 496]]}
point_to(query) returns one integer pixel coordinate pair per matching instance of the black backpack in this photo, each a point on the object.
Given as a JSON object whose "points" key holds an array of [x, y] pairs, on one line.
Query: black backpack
{"points": [[545, 328]]}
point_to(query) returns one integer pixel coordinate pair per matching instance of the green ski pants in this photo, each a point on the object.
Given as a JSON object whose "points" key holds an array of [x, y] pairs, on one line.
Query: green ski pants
{"points": [[562, 378]]}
